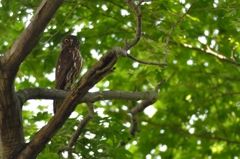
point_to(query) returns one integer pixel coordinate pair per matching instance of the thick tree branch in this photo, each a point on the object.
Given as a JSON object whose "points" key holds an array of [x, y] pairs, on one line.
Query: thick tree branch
{"points": [[102, 68], [43, 93], [23, 45]]}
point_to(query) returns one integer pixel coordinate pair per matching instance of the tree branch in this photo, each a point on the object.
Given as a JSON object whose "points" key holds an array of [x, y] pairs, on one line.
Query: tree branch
{"points": [[135, 125], [140, 2], [23, 45], [179, 130], [102, 68], [138, 27], [77, 133], [43, 93], [146, 62], [212, 53], [134, 112], [65, 20], [141, 106], [170, 32], [138, 35]]}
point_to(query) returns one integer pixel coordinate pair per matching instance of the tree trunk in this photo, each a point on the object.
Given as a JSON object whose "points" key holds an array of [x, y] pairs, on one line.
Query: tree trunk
{"points": [[11, 129], [11, 133]]}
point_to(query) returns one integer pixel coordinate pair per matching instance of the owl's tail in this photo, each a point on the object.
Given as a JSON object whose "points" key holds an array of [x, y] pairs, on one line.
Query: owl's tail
{"points": [[56, 105]]}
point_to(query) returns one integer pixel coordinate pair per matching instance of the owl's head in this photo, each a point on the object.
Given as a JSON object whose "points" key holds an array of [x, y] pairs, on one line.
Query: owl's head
{"points": [[70, 41]]}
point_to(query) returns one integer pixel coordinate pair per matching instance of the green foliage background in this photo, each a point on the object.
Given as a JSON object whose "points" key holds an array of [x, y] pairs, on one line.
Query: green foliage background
{"points": [[197, 114]]}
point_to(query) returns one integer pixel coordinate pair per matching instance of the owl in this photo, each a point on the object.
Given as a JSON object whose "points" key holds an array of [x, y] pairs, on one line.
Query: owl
{"points": [[69, 66]]}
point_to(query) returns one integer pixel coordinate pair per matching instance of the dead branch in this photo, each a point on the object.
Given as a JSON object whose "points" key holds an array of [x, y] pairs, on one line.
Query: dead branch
{"points": [[102, 68]]}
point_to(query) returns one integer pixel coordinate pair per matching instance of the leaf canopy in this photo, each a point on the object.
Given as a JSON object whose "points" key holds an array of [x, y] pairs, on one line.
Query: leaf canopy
{"points": [[197, 114]]}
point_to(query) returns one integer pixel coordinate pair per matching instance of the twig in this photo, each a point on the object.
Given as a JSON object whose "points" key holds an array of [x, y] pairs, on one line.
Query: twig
{"points": [[159, 85], [64, 21], [77, 133], [170, 32], [146, 62], [221, 57], [124, 53], [138, 27], [204, 135], [140, 2], [213, 53], [217, 8], [232, 57], [208, 50]]}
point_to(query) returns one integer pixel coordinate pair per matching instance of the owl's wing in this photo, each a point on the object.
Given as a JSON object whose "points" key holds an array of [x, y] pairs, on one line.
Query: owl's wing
{"points": [[64, 64]]}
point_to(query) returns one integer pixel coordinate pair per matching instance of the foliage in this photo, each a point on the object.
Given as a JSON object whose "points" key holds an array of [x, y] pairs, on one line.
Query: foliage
{"points": [[197, 111]]}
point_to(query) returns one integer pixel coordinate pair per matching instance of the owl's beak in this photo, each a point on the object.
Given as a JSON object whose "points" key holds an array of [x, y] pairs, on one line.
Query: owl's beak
{"points": [[71, 42]]}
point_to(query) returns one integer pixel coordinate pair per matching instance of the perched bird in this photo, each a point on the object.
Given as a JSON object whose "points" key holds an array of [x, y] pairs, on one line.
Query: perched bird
{"points": [[69, 66]]}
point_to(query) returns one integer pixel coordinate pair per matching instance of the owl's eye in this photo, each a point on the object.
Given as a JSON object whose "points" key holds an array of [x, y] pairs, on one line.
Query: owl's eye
{"points": [[66, 40], [76, 41]]}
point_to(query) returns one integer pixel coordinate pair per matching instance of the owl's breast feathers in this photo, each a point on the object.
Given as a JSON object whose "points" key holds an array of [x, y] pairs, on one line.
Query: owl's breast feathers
{"points": [[68, 67]]}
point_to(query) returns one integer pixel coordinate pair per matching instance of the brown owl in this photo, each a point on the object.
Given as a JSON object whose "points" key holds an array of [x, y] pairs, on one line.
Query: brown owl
{"points": [[69, 65]]}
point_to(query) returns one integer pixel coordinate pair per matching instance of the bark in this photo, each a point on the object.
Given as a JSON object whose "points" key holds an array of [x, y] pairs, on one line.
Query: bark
{"points": [[11, 130]]}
